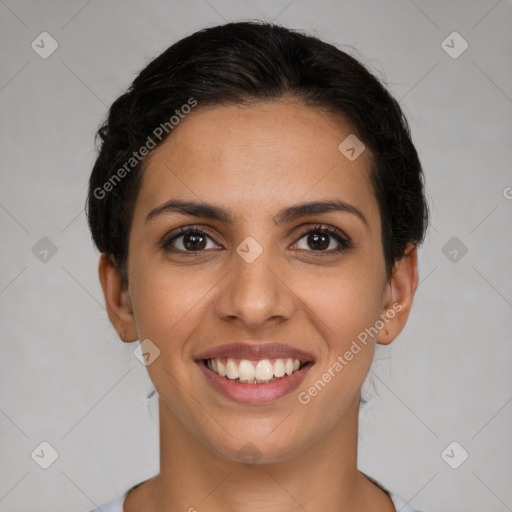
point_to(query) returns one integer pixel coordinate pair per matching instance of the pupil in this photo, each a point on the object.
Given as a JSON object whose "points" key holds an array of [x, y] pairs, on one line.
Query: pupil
{"points": [[193, 239], [314, 238]]}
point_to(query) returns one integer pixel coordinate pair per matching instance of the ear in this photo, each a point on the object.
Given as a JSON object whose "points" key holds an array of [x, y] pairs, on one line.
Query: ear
{"points": [[398, 295], [117, 299]]}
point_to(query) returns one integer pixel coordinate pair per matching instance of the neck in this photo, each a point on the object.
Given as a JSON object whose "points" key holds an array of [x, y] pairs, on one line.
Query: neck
{"points": [[322, 477]]}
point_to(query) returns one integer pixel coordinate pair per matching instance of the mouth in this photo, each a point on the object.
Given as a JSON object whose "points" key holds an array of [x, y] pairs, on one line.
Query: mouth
{"points": [[255, 373]]}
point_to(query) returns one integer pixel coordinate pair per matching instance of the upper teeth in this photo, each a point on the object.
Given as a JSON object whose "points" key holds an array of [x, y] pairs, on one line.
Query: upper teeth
{"points": [[251, 371]]}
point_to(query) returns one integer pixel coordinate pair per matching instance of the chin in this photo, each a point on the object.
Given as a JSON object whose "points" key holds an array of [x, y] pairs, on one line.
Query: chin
{"points": [[257, 448]]}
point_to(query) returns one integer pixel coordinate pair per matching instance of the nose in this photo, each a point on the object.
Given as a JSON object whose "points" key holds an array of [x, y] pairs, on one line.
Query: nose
{"points": [[256, 294]]}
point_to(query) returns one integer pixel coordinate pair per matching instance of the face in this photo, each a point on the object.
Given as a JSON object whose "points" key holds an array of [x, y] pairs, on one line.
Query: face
{"points": [[255, 270]]}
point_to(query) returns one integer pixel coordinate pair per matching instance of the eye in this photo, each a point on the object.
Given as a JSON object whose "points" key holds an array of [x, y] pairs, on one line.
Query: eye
{"points": [[188, 240], [322, 239]]}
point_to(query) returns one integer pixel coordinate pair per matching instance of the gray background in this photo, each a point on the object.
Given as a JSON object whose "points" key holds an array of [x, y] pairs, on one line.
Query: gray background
{"points": [[68, 380]]}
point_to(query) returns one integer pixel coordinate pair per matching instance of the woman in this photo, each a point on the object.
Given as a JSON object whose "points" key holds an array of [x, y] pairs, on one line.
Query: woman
{"points": [[258, 203]]}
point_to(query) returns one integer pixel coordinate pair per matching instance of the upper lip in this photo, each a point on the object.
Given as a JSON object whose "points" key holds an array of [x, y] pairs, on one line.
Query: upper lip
{"points": [[258, 351]]}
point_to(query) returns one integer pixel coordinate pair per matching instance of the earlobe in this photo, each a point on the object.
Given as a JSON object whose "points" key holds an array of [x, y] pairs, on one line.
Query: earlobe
{"points": [[399, 295], [117, 299]]}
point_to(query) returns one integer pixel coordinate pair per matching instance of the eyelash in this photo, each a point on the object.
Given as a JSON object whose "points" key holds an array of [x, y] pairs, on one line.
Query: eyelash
{"points": [[345, 243]]}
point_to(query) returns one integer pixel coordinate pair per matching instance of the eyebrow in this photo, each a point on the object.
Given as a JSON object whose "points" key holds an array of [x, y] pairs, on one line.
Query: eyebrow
{"points": [[288, 214]]}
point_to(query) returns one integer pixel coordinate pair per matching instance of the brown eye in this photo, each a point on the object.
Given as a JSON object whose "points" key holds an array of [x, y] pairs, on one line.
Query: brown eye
{"points": [[188, 240], [324, 239], [318, 241], [194, 241]]}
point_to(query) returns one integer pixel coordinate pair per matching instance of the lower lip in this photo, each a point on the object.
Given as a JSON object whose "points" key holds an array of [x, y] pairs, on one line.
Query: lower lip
{"points": [[255, 393]]}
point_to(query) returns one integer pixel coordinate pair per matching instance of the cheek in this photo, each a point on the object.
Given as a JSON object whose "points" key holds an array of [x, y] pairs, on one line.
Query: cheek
{"points": [[344, 302], [342, 310], [165, 301]]}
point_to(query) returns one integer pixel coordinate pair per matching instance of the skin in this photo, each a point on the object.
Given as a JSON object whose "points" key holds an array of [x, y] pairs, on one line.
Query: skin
{"points": [[254, 161]]}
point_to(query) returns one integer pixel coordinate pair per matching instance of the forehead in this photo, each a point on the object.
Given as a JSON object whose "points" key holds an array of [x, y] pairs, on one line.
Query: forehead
{"points": [[256, 156]]}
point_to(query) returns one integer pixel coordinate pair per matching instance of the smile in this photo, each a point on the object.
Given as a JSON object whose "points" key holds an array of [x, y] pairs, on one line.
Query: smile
{"points": [[254, 372]]}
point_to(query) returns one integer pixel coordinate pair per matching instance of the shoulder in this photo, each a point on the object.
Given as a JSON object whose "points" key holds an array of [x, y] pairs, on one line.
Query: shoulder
{"points": [[400, 504], [116, 505]]}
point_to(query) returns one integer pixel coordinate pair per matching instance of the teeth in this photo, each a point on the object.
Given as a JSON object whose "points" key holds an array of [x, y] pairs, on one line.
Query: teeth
{"points": [[279, 369], [231, 369], [253, 371], [246, 371], [221, 369], [264, 370]]}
